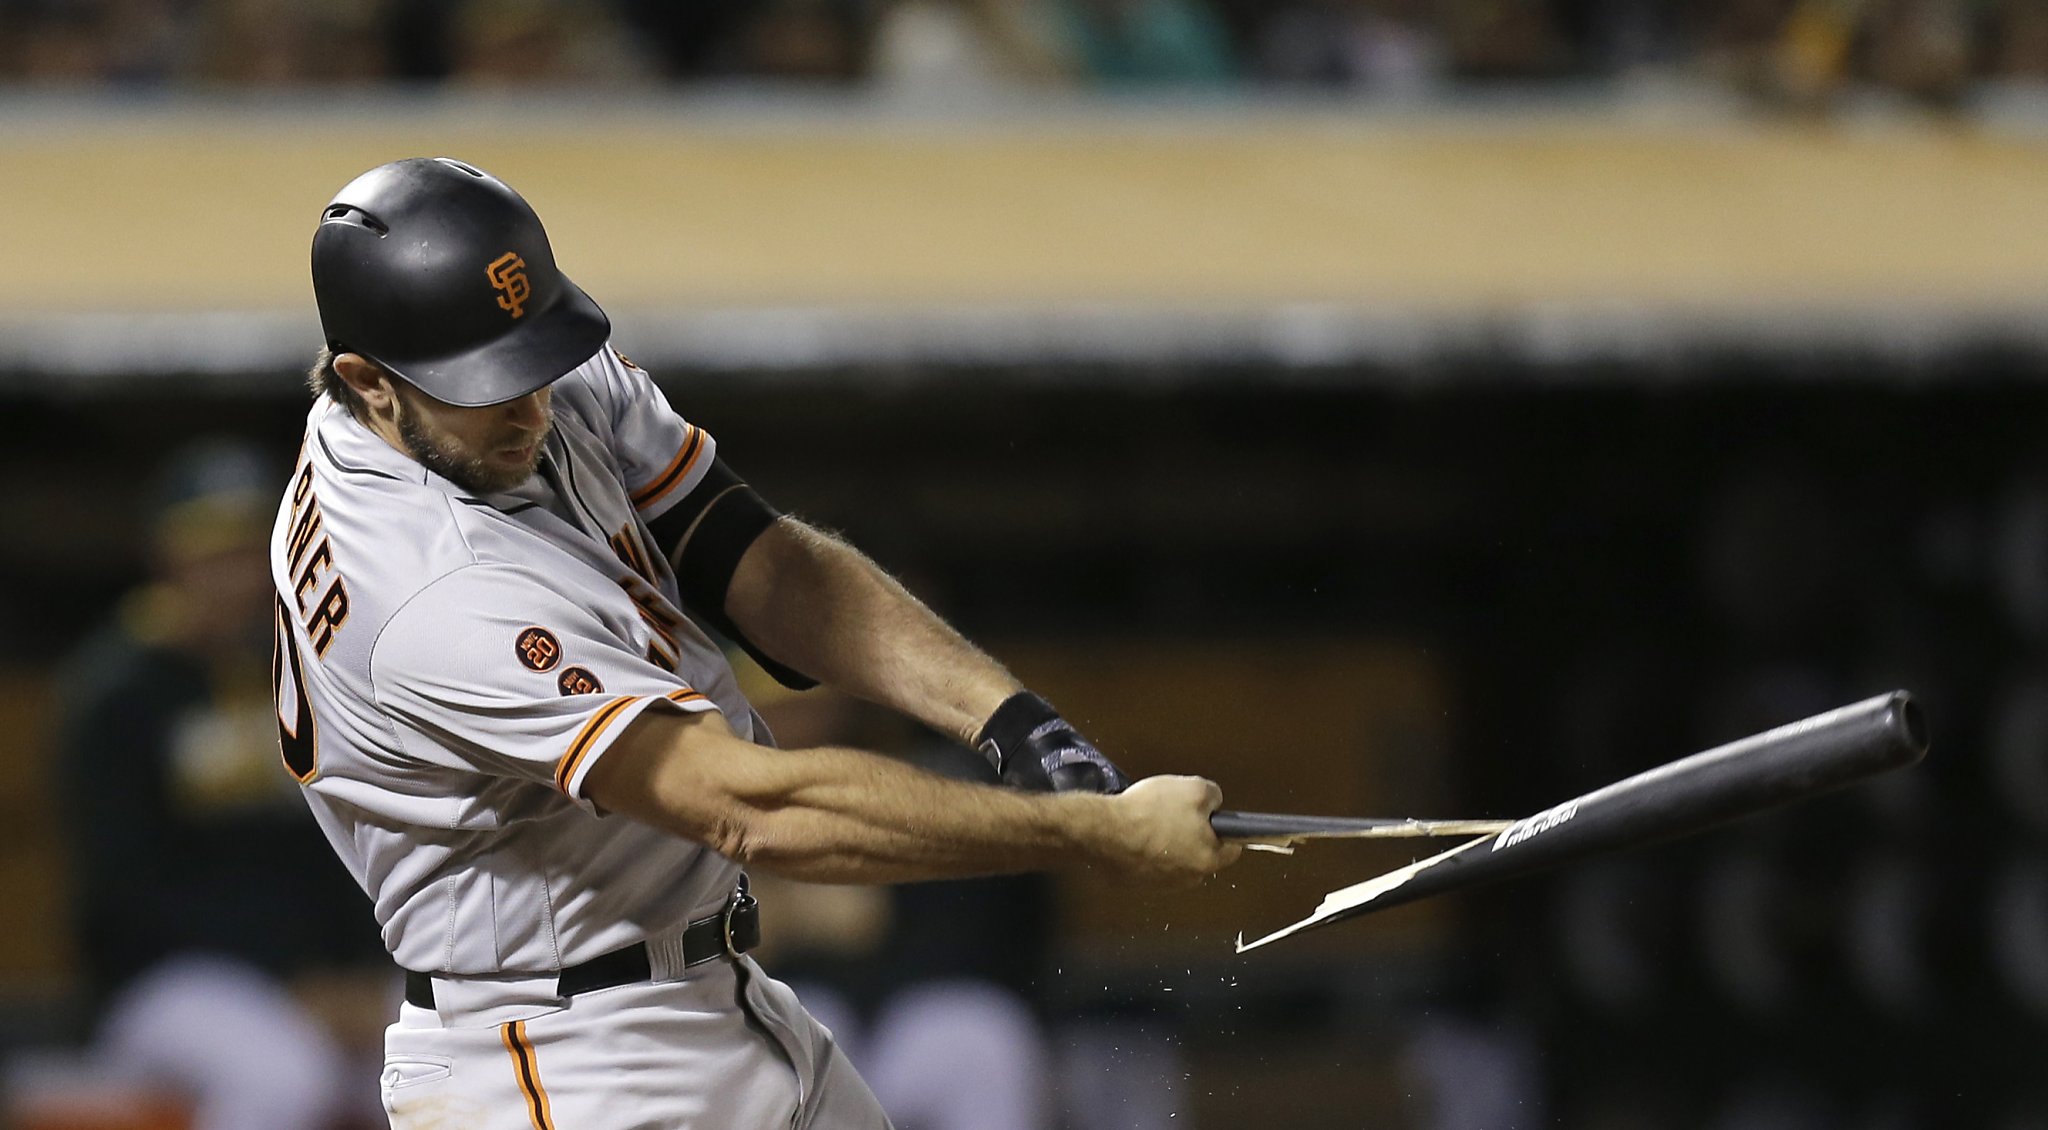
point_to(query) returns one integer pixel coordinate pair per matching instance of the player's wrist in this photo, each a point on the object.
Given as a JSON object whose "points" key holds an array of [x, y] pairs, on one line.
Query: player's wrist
{"points": [[1088, 827], [1031, 747], [1004, 735]]}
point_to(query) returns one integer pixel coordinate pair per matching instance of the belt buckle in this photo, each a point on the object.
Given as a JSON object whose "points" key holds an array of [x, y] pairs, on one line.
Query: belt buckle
{"points": [[733, 902]]}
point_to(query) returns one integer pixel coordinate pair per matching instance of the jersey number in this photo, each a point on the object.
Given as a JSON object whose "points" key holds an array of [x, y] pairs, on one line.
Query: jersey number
{"points": [[296, 739]]}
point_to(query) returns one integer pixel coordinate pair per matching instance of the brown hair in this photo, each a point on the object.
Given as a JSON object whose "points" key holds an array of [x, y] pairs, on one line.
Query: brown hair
{"points": [[324, 381]]}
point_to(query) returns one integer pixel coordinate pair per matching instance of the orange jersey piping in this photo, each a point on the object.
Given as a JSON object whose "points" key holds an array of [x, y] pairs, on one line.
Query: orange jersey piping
{"points": [[599, 722], [677, 471]]}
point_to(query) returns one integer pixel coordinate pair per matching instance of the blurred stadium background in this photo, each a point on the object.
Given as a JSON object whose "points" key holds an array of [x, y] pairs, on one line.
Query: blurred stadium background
{"points": [[1426, 407]]}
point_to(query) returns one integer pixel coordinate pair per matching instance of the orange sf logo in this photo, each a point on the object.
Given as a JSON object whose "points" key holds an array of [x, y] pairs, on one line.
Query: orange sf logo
{"points": [[508, 273]]}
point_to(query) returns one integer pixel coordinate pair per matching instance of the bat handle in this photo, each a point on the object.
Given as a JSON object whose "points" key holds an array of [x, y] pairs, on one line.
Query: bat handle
{"points": [[1230, 824]]}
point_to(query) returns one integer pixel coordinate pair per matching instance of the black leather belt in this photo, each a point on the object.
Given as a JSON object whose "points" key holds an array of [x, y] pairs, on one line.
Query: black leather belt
{"points": [[729, 933]]}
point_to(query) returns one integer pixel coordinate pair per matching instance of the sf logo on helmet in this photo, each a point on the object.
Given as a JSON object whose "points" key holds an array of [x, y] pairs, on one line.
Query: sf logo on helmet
{"points": [[508, 273]]}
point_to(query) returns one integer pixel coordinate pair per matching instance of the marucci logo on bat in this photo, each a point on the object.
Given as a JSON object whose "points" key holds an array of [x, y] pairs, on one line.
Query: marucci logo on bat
{"points": [[1541, 822]]}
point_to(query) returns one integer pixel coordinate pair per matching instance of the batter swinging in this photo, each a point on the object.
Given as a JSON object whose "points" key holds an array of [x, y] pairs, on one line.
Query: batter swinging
{"points": [[539, 767]]}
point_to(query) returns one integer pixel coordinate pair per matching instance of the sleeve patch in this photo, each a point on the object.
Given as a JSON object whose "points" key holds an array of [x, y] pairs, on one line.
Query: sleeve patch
{"points": [[539, 650], [578, 680]]}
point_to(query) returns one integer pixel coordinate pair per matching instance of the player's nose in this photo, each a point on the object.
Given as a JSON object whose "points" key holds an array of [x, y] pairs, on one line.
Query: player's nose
{"points": [[529, 411]]}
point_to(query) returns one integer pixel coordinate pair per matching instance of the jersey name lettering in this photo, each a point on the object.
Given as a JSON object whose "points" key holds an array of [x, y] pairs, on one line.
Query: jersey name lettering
{"points": [[312, 562], [626, 543], [662, 649]]}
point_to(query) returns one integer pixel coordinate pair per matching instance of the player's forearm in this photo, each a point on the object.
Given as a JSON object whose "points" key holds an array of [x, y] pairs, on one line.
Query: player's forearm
{"points": [[819, 605], [838, 815], [854, 817]]}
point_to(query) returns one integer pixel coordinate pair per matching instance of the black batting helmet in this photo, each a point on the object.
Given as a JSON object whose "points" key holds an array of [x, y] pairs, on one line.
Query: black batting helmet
{"points": [[443, 275]]}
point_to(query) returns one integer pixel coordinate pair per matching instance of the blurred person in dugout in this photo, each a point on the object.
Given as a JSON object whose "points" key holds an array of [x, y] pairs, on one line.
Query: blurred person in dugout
{"points": [[225, 951]]}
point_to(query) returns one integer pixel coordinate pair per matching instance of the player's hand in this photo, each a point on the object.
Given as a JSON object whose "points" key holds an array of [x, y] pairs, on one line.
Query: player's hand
{"points": [[1034, 749], [1164, 833]]}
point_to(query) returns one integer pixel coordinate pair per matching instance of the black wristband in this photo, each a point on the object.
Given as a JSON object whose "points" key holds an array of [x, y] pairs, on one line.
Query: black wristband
{"points": [[1034, 749], [1009, 729]]}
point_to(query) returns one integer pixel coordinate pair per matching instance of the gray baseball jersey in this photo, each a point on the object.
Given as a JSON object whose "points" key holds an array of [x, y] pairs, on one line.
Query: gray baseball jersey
{"points": [[450, 667]]}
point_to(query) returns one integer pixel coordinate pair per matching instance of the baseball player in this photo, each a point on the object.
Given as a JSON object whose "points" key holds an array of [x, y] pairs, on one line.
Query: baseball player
{"points": [[492, 561]]}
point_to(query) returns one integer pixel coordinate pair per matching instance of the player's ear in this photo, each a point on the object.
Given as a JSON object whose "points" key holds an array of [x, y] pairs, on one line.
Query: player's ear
{"points": [[368, 379]]}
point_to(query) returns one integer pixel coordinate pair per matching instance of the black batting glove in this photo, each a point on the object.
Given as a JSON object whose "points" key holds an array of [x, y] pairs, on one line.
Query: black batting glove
{"points": [[1034, 749]]}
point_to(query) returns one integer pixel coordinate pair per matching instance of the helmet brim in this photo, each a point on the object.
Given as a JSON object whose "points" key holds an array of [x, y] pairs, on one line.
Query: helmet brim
{"points": [[546, 347]]}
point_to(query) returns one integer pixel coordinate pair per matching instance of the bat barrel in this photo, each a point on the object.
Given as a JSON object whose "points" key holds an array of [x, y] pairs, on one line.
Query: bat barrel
{"points": [[1742, 778]]}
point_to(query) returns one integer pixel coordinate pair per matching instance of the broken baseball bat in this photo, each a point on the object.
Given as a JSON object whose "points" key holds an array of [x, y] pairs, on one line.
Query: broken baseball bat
{"points": [[1744, 777]]}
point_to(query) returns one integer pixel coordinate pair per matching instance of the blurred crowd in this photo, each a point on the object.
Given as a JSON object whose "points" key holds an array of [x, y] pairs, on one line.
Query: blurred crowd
{"points": [[1793, 52]]}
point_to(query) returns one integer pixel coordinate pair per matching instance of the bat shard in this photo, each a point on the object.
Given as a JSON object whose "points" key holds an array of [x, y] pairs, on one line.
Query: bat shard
{"points": [[1337, 828], [1678, 798], [1359, 894]]}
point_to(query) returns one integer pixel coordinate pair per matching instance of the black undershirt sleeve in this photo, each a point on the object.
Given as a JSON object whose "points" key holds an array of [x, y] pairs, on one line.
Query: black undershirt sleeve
{"points": [[704, 536]]}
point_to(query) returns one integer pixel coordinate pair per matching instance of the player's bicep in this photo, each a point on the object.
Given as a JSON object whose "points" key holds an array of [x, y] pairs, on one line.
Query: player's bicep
{"points": [[714, 539], [705, 534]]}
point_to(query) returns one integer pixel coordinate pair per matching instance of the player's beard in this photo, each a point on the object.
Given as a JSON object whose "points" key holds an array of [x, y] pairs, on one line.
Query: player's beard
{"points": [[469, 471]]}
